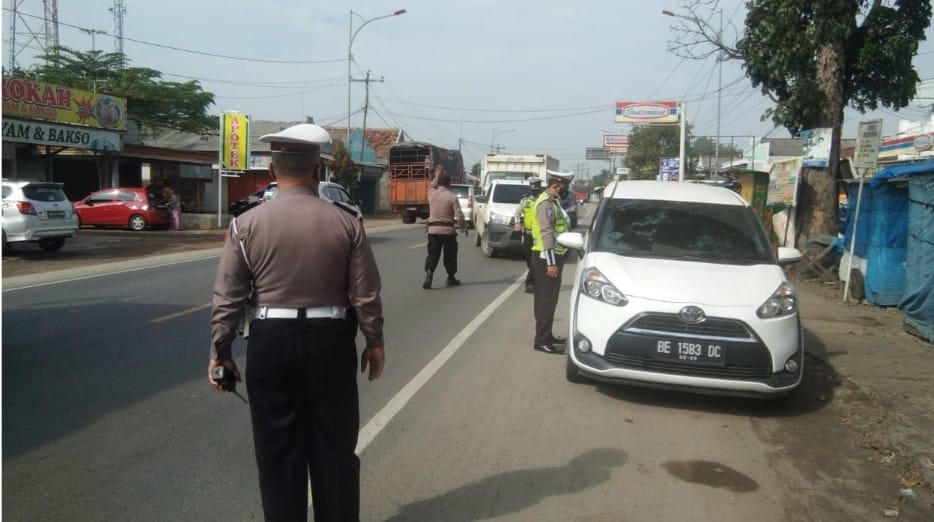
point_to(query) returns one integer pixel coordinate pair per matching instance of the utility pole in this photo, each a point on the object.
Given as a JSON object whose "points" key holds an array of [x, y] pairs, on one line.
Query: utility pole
{"points": [[366, 106]]}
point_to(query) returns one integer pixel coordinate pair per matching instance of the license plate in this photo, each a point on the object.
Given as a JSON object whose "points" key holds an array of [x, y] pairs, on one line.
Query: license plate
{"points": [[691, 352], [55, 214]]}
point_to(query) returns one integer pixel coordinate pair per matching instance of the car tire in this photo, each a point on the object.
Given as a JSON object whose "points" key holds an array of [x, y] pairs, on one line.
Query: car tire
{"points": [[6, 246], [476, 241], [485, 247], [137, 223], [408, 218], [51, 244], [572, 374]]}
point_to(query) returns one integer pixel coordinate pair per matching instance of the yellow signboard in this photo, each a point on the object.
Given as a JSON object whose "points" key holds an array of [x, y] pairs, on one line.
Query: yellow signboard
{"points": [[236, 139], [31, 100]]}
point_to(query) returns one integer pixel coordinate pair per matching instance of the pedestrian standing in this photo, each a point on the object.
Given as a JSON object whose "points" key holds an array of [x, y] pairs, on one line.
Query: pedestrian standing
{"points": [[174, 204], [444, 220], [305, 268], [524, 217], [548, 260]]}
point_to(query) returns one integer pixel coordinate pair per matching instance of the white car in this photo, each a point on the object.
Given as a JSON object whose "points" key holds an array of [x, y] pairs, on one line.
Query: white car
{"points": [[37, 212], [465, 198], [678, 287]]}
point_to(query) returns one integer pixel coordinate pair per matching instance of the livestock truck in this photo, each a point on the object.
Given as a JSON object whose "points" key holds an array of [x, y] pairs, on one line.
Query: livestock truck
{"points": [[515, 167], [411, 170]]}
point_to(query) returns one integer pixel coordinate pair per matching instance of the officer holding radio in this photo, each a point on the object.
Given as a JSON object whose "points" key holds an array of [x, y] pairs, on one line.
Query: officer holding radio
{"points": [[306, 268]]}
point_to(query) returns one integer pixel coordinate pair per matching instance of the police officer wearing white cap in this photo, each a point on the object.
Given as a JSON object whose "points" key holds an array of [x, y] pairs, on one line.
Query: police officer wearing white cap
{"points": [[306, 268], [548, 260]]}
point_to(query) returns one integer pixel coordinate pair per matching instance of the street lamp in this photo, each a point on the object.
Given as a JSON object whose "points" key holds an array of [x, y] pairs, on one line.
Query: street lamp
{"points": [[351, 35], [495, 134], [716, 166]]}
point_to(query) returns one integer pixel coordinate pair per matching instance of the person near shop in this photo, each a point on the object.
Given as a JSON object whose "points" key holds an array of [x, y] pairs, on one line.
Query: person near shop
{"points": [[307, 272], [174, 205]]}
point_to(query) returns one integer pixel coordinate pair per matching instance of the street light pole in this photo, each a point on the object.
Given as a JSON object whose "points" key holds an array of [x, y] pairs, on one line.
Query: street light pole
{"points": [[351, 35], [493, 139]]}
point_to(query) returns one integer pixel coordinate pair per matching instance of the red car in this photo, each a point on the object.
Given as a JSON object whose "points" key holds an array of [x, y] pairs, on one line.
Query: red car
{"points": [[134, 208]]}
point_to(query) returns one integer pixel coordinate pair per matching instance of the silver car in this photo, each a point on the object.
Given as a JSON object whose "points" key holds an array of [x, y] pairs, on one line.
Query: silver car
{"points": [[465, 194], [37, 212], [328, 191]]}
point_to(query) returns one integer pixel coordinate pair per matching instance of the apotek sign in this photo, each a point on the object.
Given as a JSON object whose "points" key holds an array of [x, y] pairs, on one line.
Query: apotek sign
{"points": [[236, 140]]}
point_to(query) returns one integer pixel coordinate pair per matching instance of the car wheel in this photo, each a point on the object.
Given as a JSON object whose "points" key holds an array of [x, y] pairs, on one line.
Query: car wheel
{"points": [[571, 373], [52, 244], [137, 223], [485, 247], [408, 217], [6, 246], [476, 241]]}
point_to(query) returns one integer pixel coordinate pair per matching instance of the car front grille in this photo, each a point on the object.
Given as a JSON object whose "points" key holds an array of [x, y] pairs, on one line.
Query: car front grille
{"points": [[671, 324]]}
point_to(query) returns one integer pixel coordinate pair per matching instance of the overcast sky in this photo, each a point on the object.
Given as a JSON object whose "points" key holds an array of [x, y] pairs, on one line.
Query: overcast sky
{"points": [[538, 75]]}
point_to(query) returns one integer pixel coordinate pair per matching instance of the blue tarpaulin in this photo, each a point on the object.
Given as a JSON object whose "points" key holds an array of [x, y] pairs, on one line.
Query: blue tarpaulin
{"points": [[918, 301]]}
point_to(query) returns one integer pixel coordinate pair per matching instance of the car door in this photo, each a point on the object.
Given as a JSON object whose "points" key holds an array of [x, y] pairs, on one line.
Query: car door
{"points": [[98, 207], [127, 204]]}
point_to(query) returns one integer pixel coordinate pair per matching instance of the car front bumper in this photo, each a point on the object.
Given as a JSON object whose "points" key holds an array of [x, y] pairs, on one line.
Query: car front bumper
{"points": [[503, 236]]}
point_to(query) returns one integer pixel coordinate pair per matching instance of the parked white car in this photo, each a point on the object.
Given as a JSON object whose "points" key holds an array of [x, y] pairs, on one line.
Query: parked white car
{"points": [[37, 212], [679, 287]]}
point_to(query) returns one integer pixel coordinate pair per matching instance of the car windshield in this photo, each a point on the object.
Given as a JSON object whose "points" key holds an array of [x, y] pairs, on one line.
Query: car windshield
{"points": [[509, 193], [44, 193], [682, 230], [462, 191]]}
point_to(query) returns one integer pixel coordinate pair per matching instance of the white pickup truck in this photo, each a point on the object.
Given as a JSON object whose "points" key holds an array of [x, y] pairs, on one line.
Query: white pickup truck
{"points": [[494, 216]]}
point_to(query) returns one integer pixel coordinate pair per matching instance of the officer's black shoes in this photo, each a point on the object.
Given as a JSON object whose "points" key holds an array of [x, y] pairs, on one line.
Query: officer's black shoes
{"points": [[558, 340], [547, 348], [453, 281], [529, 289], [428, 276]]}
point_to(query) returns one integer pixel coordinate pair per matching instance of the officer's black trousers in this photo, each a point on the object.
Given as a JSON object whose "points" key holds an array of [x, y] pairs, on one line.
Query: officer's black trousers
{"points": [[546, 294], [302, 383], [437, 243], [527, 241]]}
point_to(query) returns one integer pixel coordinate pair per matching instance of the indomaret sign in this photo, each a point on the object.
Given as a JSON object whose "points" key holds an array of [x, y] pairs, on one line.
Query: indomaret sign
{"points": [[647, 112]]}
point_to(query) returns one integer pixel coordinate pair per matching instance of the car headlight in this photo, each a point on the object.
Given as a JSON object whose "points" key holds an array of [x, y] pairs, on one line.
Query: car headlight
{"points": [[783, 302], [501, 219], [594, 284]]}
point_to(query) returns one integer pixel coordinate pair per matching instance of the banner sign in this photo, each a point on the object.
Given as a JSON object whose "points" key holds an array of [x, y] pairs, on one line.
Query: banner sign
{"points": [[616, 144], [41, 133], [647, 112], [783, 182], [236, 141], [868, 141], [594, 153], [816, 147], [668, 169], [31, 100]]}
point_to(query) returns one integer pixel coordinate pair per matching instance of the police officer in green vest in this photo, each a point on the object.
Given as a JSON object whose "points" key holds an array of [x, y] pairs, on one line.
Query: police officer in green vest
{"points": [[548, 260], [524, 217]]}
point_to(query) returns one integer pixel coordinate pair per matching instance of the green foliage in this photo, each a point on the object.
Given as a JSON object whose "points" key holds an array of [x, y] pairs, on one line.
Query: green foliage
{"points": [[648, 144], [343, 170], [871, 48], [158, 105]]}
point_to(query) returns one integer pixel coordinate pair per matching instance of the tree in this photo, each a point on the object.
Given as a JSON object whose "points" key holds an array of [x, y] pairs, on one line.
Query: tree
{"points": [[343, 169], [813, 59], [648, 144], [158, 105]]}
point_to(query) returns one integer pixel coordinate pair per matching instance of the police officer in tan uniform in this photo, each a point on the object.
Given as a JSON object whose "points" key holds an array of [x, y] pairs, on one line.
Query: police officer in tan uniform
{"points": [[306, 269], [445, 218]]}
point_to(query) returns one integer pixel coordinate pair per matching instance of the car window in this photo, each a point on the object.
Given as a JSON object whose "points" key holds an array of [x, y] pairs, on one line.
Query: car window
{"points": [[7, 191], [328, 193], [101, 197], [509, 193], [44, 193], [680, 230], [344, 196], [126, 195], [462, 191]]}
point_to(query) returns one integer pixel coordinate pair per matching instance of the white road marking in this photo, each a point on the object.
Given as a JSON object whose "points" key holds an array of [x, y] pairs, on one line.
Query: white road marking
{"points": [[181, 313], [420, 245], [395, 405]]}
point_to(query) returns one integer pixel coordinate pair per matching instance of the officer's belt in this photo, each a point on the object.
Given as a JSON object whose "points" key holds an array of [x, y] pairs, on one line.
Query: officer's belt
{"points": [[317, 312], [440, 223]]}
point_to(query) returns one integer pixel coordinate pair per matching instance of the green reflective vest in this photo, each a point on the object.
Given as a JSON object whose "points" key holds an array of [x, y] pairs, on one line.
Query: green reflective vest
{"points": [[560, 225], [527, 204]]}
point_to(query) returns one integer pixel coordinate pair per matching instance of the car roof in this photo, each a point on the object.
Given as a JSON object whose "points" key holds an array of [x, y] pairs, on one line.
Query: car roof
{"points": [[511, 182], [673, 191]]}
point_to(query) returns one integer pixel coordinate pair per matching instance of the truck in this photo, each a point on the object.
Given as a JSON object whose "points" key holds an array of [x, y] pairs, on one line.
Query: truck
{"points": [[411, 170], [494, 216], [515, 167]]}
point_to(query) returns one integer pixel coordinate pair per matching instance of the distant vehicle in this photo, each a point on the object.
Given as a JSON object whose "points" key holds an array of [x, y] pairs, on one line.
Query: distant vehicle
{"points": [[242, 205], [494, 217], [569, 204], [327, 190], [37, 212], [411, 170], [518, 167], [465, 197], [679, 287], [132, 207]]}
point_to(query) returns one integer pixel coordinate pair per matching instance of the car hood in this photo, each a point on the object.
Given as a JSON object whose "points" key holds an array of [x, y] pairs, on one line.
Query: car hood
{"points": [[688, 281], [507, 209]]}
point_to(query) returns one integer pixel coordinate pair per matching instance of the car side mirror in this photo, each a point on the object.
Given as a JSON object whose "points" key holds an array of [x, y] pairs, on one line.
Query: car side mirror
{"points": [[480, 199], [572, 240], [788, 255]]}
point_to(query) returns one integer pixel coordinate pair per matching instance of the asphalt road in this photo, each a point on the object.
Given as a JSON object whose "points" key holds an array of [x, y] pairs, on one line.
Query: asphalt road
{"points": [[107, 415]]}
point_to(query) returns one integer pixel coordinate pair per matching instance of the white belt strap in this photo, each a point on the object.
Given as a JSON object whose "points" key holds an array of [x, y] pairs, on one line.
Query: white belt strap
{"points": [[318, 312]]}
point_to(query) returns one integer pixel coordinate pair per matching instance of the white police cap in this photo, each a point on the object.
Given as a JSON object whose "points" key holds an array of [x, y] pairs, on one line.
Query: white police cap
{"points": [[554, 175], [535, 181], [304, 136]]}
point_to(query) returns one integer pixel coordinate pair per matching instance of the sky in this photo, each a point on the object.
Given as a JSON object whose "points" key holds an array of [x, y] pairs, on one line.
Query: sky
{"points": [[529, 76]]}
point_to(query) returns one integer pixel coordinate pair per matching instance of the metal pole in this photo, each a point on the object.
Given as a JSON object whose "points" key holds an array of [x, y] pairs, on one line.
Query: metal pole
{"points": [[220, 169], [716, 168], [349, 76], [682, 156], [855, 217]]}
